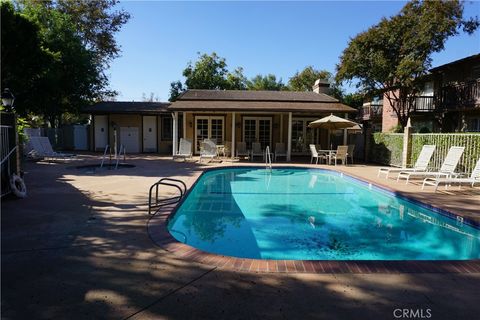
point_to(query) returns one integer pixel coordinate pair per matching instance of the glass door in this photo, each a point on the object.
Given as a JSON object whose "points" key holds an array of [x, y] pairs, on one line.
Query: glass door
{"points": [[257, 129], [302, 135], [208, 128]]}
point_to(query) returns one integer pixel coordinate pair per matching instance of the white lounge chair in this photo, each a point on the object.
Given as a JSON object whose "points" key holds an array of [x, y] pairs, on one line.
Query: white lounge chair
{"points": [[340, 154], [474, 178], [280, 150], [184, 149], [41, 148], [208, 150], [315, 155], [256, 150], [420, 165], [242, 150], [446, 170]]}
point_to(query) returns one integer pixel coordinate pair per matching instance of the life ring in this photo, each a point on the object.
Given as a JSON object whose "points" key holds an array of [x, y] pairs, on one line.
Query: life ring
{"points": [[18, 186]]}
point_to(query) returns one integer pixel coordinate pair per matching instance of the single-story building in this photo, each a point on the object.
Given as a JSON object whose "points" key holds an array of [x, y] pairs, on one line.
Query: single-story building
{"points": [[139, 126], [226, 116], [268, 117]]}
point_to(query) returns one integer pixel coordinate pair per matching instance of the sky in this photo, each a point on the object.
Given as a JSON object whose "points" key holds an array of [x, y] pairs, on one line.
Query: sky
{"points": [[261, 37]]}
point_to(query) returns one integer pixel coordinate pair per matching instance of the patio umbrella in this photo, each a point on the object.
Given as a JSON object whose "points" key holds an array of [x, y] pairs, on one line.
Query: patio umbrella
{"points": [[332, 122]]}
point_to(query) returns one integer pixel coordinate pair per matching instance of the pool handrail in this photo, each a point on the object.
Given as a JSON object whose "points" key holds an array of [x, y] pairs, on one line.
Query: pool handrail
{"points": [[178, 184]]}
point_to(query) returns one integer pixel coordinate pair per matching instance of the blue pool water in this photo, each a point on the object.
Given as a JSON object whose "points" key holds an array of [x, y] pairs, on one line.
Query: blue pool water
{"points": [[313, 214]]}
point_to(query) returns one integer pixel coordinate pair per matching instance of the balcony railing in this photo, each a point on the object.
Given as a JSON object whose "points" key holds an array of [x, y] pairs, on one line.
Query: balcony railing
{"points": [[371, 110], [465, 95], [461, 96]]}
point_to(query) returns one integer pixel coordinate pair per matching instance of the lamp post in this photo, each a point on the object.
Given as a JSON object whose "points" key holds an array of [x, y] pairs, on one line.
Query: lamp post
{"points": [[7, 100]]}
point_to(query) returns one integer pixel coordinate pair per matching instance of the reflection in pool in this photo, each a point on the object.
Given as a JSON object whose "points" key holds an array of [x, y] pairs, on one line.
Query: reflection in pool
{"points": [[313, 214]]}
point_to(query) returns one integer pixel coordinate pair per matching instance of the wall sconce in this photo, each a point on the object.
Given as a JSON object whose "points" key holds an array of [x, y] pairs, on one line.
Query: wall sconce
{"points": [[238, 124], [190, 124]]}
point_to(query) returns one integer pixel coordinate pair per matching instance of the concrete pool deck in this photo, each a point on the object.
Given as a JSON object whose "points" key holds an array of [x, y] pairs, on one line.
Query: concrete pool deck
{"points": [[78, 248]]}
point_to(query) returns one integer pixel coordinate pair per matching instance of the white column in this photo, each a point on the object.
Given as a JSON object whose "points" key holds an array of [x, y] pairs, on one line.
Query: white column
{"points": [[184, 125], [175, 132], [232, 149], [281, 127], [289, 141]]}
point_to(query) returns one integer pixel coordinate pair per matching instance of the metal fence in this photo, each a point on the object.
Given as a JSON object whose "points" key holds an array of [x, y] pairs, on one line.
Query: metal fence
{"points": [[443, 142], [387, 148]]}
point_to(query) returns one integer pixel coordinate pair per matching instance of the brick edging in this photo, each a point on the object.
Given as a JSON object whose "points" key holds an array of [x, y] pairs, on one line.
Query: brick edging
{"points": [[158, 232]]}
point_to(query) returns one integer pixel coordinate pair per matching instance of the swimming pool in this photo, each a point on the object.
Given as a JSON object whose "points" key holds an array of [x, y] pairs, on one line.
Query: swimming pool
{"points": [[313, 214]]}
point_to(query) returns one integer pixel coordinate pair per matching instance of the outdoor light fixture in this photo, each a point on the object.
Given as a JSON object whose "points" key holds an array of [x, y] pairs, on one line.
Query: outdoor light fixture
{"points": [[7, 98]]}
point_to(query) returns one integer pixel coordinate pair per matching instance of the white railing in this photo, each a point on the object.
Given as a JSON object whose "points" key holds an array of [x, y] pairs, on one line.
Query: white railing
{"points": [[122, 148], [268, 158]]}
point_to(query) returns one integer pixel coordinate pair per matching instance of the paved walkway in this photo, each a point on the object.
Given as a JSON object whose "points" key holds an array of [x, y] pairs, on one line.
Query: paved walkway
{"points": [[77, 248]]}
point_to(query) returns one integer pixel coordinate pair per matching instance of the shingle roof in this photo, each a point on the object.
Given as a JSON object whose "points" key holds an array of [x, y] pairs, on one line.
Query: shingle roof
{"points": [[127, 107], [242, 100], [473, 59], [252, 95]]}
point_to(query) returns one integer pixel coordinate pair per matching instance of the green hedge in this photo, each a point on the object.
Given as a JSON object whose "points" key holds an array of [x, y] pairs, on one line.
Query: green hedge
{"points": [[443, 142], [386, 148]]}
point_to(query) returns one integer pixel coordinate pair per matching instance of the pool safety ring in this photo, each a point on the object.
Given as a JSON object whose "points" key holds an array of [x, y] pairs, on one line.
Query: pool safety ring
{"points": [[18, 186]]}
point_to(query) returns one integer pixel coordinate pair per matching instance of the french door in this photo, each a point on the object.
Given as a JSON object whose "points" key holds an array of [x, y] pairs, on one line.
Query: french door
{"points": [[257, 129], [302, 135], [207, 127]]}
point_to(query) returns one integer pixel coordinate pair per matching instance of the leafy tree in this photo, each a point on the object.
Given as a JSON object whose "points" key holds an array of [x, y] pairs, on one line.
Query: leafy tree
{"points": [[208, 72], [96, 23], [176, 89], [354, 100], [268, 82], [304, 80], [22, 58], [236, 80], [392, 56], [73, 76]]}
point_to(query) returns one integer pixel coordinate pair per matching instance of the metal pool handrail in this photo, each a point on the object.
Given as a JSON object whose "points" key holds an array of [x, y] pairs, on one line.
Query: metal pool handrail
{"points": [[268, 158], [158, 203]]}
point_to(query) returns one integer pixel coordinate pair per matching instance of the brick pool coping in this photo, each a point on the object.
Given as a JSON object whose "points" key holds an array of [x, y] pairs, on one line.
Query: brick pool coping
{"points": [[158, 232]]}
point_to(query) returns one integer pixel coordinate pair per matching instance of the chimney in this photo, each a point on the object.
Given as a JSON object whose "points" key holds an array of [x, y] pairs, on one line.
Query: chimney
{"points": [[321, 86]]}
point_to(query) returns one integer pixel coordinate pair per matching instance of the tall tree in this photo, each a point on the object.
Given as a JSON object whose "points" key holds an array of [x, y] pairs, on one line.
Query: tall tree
{"points": [[391, 57], [73, 77], [208, 72], [96, 23], [305, 79], [267, 82], [23, 58]]}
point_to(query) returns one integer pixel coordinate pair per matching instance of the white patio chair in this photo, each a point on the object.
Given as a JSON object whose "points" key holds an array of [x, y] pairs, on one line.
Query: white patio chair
{"points": [[316, 155], [340, 154], [472, 179], [208, 150], [446, 170], [256, 150], [242, 150], [420, 165], [280, 150], [184, 149]]}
